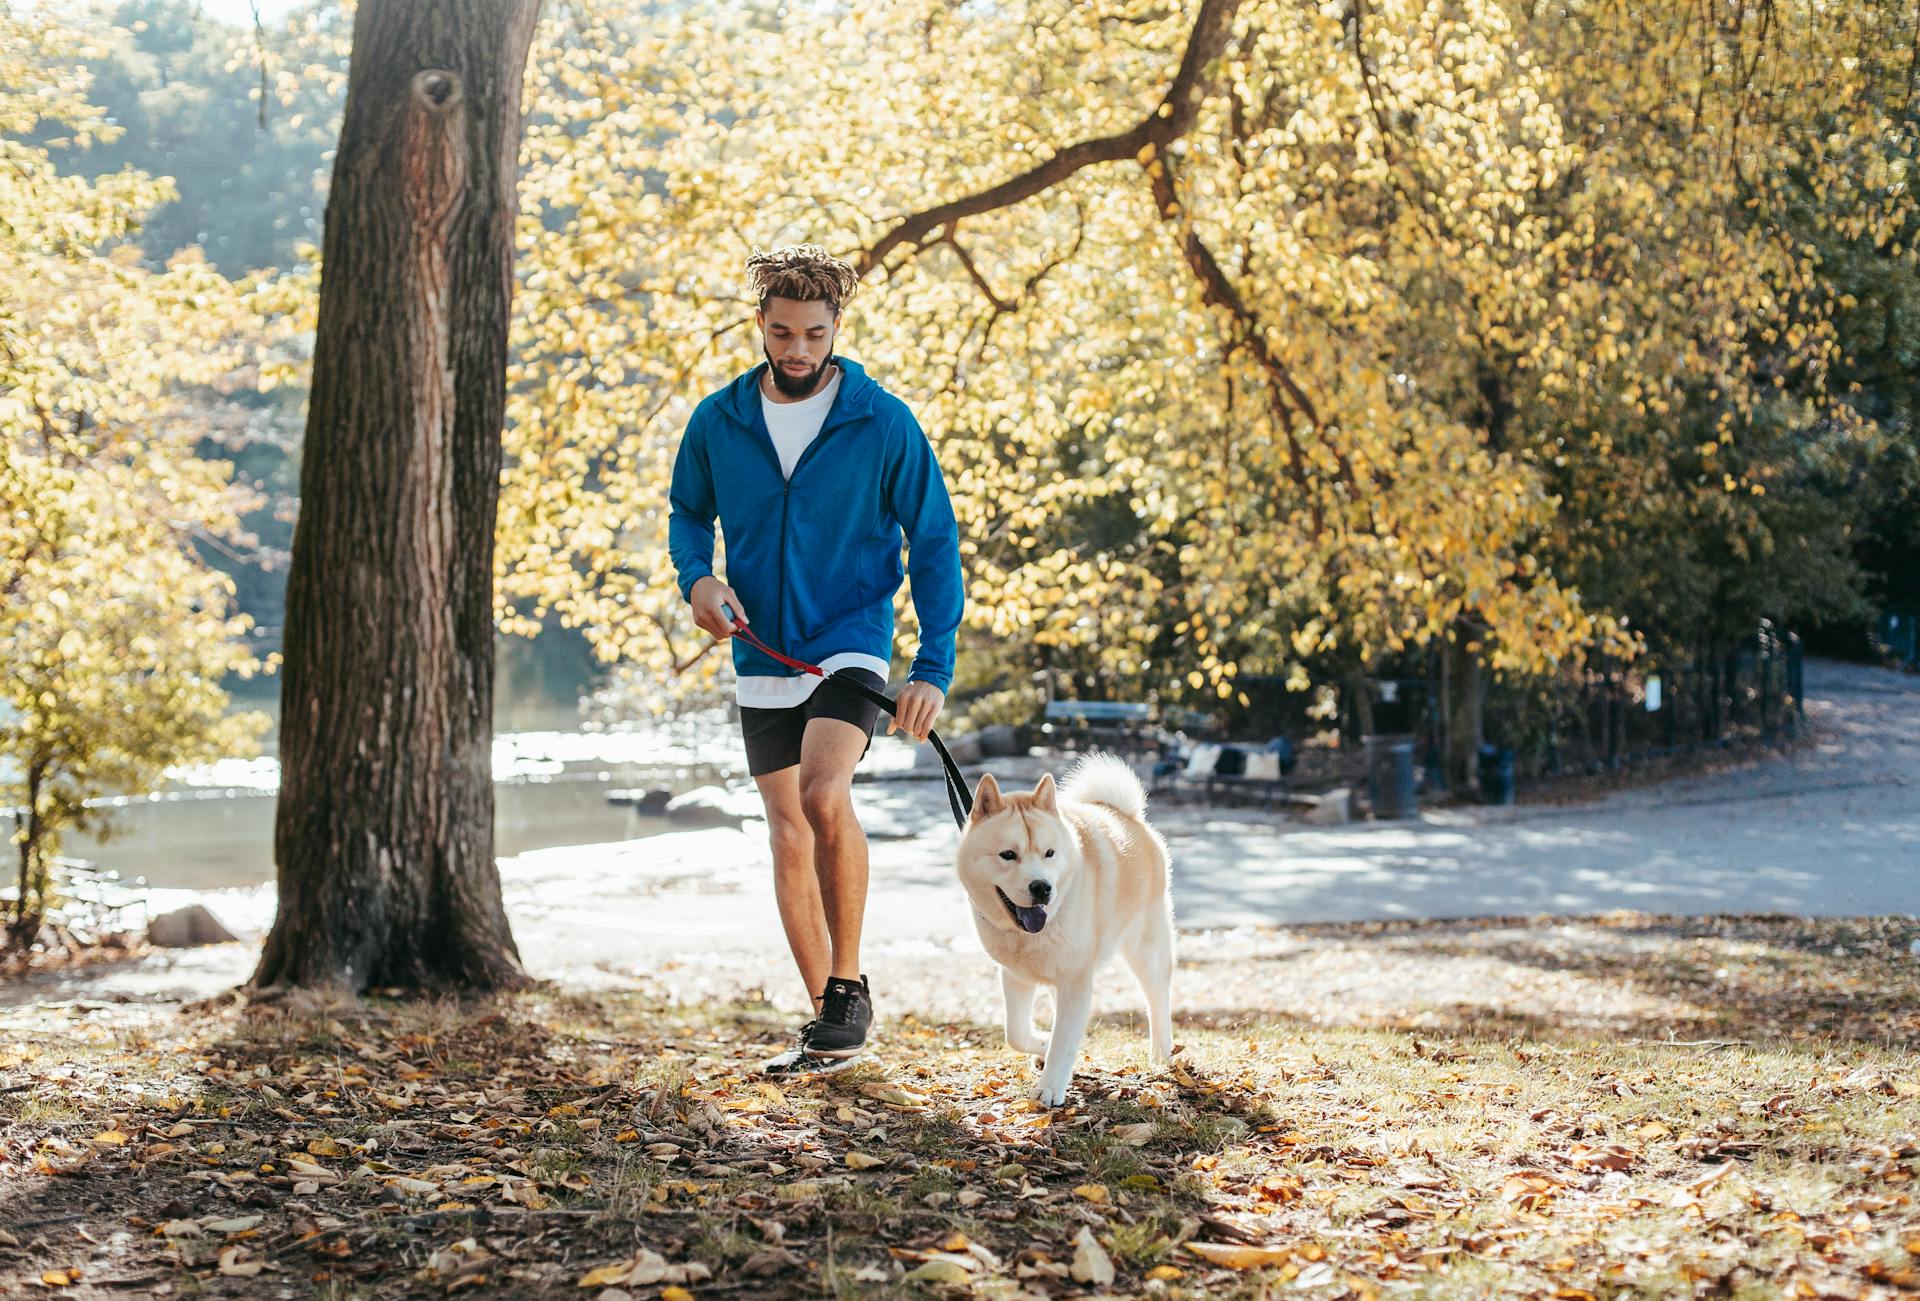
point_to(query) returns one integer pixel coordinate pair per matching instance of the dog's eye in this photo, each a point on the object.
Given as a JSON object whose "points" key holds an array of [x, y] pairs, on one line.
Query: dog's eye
{"points": [[1008, 854], [1049, 853]]}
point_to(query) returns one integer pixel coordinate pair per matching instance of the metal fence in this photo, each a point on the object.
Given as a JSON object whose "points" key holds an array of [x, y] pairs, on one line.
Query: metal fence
{"points": [[1614, 714], [1665, 703]]}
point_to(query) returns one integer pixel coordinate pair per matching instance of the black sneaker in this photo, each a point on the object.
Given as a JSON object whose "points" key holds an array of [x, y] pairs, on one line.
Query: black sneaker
{"points": [[846, 1013]]}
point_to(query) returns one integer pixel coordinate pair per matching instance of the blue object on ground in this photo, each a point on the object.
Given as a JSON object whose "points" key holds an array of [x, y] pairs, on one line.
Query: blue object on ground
{"points": [[1496, 775]]}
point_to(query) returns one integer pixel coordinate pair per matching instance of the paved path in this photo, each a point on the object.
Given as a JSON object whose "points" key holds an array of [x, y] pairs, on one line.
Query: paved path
{"points": [[1832, 829]]}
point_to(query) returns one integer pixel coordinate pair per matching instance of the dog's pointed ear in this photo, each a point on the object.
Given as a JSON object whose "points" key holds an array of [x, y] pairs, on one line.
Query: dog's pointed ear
{"points": [[987, 799], [1044, 794]]}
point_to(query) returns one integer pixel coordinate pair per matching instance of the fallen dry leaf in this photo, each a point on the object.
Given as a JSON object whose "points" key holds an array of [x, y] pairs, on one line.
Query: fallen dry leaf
{"points": [[894, 1095], [235, 1263], [238, 1224], [606, 1275], [1237, 1257], [1091, 1264], [939, 1271], [646, 1269]]}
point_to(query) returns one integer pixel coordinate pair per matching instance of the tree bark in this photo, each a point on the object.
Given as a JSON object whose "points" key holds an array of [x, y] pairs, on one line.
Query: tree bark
{"points": [[383, 837], [1362, 688], [1466, 701], [27, 909]]}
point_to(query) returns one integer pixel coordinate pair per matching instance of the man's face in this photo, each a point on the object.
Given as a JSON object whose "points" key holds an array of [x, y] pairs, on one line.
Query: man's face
{"points": [[798, 340]]}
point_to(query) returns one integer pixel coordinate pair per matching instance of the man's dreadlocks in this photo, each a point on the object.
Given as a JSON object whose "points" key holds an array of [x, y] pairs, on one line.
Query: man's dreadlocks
{"points": [[803, 272]]}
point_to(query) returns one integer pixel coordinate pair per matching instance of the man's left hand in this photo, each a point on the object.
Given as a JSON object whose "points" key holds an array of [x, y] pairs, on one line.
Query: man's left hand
{"points": [[914, 710]]}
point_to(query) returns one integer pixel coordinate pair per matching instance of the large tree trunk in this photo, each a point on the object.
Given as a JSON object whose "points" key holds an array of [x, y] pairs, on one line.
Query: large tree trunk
{"points": [[383, 838]]}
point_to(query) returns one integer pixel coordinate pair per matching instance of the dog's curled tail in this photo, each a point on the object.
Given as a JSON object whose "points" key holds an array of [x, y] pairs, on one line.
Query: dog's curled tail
{"points": [[1101, 778]]}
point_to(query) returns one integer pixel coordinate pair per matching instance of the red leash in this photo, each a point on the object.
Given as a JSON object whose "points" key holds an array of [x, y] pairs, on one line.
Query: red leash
{"points": [[741, 630], [959, 798]]}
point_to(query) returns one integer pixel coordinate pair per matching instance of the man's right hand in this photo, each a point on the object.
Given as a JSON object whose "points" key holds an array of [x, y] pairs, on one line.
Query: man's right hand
{"points": [[708, 596]]}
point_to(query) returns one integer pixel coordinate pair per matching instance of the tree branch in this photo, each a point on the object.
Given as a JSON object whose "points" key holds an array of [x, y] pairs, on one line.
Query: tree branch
{"points": [[966, 260], [1291, 404], [1172, 118], [1033, 281]]}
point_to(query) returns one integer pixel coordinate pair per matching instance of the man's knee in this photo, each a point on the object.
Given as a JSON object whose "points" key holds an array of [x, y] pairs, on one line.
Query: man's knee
{"points": [[792, 840], [827, 802]]}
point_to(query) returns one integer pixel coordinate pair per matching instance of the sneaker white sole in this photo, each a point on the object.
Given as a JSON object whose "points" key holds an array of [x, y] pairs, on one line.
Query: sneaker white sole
{"points": [[840, 1052], [794, 1062]]}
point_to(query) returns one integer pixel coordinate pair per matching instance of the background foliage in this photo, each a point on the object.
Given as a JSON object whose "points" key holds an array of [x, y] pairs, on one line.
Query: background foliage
{"points": [[1262, 341]]}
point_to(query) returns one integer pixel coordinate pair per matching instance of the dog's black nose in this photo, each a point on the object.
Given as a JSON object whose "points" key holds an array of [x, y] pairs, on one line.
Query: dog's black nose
{"points": [[1040, 891]]}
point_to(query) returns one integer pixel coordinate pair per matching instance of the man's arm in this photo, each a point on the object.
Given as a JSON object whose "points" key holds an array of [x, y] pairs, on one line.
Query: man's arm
{"points": [[918, 495], [690, 523]]}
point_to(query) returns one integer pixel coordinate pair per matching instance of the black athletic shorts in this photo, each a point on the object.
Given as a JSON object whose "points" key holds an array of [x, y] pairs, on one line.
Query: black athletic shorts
{"points": [[773, 735]]}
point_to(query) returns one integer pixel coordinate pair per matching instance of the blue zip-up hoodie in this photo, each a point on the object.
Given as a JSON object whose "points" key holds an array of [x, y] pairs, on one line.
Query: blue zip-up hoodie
{"points": [[816, 558]]}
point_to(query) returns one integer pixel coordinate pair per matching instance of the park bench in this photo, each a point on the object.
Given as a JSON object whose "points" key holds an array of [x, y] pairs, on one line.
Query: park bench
{"points": [[1223, 773], [1117, 725]]}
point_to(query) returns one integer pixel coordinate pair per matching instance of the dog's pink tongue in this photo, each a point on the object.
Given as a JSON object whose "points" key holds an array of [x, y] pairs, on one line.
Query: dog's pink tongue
{"points": [[1031, 918]]}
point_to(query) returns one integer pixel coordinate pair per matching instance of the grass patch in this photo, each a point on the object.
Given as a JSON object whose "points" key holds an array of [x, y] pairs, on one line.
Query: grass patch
{"points": [[1423, 1155]]}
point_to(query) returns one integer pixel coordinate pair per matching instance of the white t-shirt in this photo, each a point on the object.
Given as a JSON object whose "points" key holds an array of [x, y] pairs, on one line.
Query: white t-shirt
{"points": [[793, 427]]}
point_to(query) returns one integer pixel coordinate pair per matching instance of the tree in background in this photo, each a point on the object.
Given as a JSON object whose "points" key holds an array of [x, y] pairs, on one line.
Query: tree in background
{"points": [[383, 838], [115, 636], [242, 121], [1261, 338], [1256, 334]]}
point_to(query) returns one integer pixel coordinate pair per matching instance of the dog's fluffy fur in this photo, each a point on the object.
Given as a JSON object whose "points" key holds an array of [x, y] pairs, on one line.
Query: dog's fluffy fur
{"points": [[1060, 881]]}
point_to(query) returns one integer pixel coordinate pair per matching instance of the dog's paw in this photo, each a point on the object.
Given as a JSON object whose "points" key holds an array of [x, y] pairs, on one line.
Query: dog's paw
{"points": [[1033, 1045], [1049, 1094]]}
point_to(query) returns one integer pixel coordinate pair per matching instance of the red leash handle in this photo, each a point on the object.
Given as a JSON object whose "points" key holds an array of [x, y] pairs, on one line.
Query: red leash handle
{"points": [[740, 629]]}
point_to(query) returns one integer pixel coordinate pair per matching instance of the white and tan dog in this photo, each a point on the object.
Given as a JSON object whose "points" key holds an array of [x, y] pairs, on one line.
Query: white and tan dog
{"points": [[1060, 882]]}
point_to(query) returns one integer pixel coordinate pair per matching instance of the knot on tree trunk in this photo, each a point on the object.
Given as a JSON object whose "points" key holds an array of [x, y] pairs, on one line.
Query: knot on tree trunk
{"points": [[437, 89], [434, 153]]}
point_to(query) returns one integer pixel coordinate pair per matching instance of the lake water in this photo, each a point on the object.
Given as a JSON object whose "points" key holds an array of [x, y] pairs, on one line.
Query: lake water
{"points": [[214, 839], [213, 827]]}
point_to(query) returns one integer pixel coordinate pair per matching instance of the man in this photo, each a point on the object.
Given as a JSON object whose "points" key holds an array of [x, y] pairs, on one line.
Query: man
{"points": [[817, 475]]}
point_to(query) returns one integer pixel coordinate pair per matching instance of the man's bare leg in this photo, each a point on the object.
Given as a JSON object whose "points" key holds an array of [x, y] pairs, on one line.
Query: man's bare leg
{"points": [[796, 885], [829, 750]]}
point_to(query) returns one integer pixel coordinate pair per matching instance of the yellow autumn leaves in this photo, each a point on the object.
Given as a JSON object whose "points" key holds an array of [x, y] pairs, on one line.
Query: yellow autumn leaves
{"points": [[1462, 229], [115, 635]]}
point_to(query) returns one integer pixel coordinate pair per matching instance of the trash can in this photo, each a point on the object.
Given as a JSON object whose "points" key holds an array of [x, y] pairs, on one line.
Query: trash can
{"points": [[1390, 786], [1496, 775]]}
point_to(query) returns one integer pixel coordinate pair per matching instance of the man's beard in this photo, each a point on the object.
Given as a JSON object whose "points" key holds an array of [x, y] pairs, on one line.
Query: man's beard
{"points": [[792, 386]]}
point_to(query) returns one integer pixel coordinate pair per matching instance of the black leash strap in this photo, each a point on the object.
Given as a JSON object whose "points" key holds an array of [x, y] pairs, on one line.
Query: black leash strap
{"points": [[959, 798]]}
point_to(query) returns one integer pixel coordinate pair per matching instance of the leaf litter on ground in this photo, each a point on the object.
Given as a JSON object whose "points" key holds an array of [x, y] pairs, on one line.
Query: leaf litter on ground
{"points": [[562, 1142]]}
